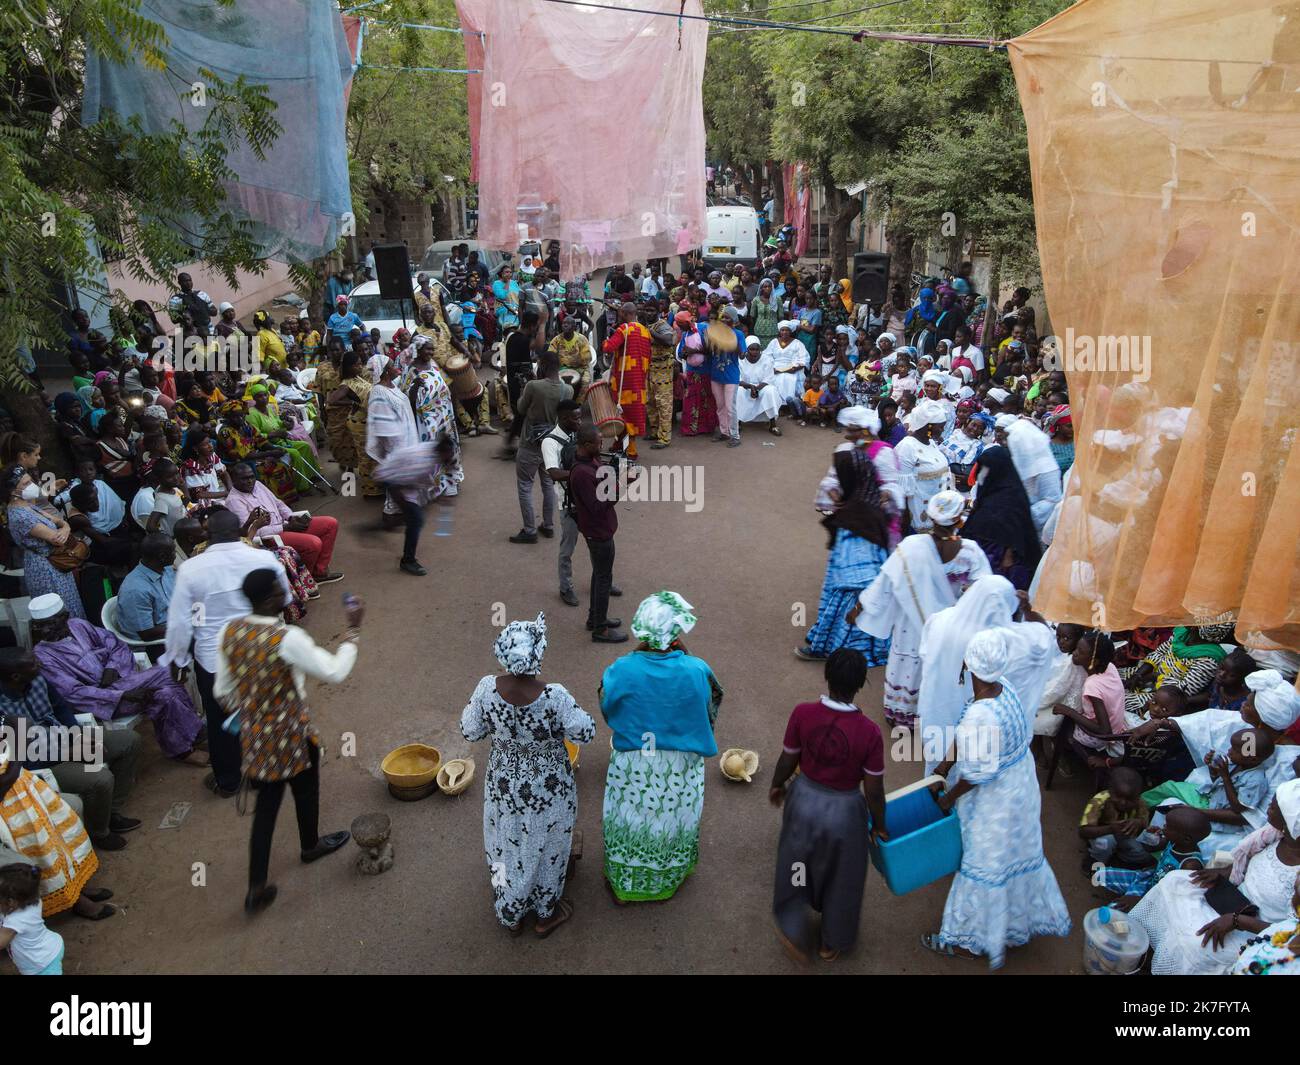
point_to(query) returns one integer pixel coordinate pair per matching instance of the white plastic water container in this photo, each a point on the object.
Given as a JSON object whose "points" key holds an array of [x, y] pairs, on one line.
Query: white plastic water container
{"points": [[1113, 943]]}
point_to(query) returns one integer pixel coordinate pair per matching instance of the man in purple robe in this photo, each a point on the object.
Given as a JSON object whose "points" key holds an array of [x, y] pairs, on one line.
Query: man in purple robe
{"points": [[94, 672]]}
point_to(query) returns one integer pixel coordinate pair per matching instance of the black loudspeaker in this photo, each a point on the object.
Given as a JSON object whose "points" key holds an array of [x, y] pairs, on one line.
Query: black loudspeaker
{"points": [[870, 277], [393, 271]]}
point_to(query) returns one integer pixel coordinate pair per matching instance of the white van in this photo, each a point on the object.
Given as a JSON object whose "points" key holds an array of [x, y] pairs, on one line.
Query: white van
{"points": [[731, 235]]}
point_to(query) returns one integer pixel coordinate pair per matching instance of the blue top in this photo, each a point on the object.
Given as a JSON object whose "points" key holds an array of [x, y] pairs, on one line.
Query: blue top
{"points": [[724, 367], [142, 599], [341, 325], [111, 508], [667, 699]]}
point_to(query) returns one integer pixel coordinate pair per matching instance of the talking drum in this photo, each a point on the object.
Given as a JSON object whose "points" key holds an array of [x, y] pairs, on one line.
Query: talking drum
{"points": [[604, 411], [462, 380], [721, 337]]}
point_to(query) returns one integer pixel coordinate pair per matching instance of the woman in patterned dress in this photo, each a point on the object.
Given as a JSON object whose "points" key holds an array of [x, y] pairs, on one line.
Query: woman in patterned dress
{"points": [[530, 798], [1004, 893], [661, 703], [38, 530], [37, 823], [240, 442], [435, 414]]}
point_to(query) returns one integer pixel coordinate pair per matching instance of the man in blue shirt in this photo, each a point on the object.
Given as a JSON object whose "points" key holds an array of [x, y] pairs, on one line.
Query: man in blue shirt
{"points": [[343, 321], [143, 597]]}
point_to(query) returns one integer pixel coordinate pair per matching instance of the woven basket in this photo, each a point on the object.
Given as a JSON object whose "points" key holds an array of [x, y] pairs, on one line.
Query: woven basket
{"points": [[463, 771]]}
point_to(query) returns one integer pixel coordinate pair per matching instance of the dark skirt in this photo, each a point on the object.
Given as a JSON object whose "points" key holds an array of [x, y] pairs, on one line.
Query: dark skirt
{"points": [[821, 863]]}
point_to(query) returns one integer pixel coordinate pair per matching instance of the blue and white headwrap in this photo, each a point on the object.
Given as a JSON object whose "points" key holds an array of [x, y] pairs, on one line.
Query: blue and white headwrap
{"points": [[521, 645]]}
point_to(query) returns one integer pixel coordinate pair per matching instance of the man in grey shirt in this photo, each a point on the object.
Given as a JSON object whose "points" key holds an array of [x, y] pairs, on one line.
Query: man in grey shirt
{"points": [[538, 406]]}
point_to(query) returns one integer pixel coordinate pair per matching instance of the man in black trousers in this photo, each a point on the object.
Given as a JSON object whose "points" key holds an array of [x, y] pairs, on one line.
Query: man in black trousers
{"points": [[593, 487]]}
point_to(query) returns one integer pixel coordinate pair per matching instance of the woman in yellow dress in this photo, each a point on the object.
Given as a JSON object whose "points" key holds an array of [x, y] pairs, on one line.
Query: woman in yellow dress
{"points": [[36, 823], [353, 398], [270, 348]]}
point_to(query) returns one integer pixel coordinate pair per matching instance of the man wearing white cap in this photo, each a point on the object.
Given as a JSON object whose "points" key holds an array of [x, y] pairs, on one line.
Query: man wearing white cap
{"points": [[789, 362], [756, 395], [923, 469], [95, 672], [927, 573], [1004, 893]]}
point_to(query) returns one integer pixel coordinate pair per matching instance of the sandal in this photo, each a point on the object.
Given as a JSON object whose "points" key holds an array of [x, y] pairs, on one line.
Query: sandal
{"points": [[827, 954], [563, 911], [796, 954], [106, 910], [517, 929], [97, 894], [930, 941]]}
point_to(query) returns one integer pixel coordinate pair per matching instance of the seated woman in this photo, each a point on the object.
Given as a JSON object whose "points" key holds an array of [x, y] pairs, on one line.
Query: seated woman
{"points": [[266, 420], [49, 834], [1189, 659], [238, 441], [116, 454], [206, 478], [1198, 922]]}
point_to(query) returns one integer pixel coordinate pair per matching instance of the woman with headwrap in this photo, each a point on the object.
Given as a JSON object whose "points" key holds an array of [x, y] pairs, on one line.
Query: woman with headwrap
{"points": [[966, 441], [1000, 521], [1188, 660], [349, 404], [661, 703], [266, 421], [435, 413], [923, 468], [699, 411], [240, 442], [1199, 922], [270, 348], [390, 426], [530, 796], [68, 413], [1059, 425], [1004, 893], [789, 362], [928, 572], [765, 313], [806, 310], [859, 527]]}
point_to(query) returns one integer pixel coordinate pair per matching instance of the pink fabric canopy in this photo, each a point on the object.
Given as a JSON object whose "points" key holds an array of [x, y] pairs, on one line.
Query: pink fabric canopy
{"points": [[588, 127]]}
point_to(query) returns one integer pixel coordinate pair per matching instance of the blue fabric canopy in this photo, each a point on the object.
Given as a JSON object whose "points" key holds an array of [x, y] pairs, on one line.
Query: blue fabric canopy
{"points": [[298, 196]]}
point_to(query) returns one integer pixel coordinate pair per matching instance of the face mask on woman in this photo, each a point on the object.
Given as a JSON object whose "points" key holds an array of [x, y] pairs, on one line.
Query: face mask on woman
{"points": [[32, 492]]}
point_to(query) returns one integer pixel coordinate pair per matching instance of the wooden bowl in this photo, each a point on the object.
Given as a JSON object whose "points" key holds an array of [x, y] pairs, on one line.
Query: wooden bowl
{"points": [[750, 760], [411, 766]]}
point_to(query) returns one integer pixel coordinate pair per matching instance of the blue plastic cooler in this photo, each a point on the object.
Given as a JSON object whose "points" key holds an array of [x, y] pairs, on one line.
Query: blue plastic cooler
{"points": [[924, 843]]}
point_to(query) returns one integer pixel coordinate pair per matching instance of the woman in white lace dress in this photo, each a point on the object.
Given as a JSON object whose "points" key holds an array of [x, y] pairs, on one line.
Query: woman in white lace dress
{"points": [[530, 799], [1189, 935], [1005, 893]]}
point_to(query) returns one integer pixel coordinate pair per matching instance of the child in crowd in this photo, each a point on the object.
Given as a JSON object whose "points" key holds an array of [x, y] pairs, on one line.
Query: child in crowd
{"points": [[1099, 728], [1233, 790], [1181, 835], [830, 401], [34, 948], [1065, 684], [1114, 819]]}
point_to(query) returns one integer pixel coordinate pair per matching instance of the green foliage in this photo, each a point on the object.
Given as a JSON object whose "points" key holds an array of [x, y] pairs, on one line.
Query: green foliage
{"points": [[155, 200], [408, 129]]}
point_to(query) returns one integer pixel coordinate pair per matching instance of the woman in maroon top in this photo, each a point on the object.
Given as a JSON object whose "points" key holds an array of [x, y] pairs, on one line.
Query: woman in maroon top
{"points": [[821, 860]]}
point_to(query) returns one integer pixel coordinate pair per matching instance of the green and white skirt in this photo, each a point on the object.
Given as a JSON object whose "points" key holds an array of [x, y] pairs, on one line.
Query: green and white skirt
{"points": [[651, 815]]}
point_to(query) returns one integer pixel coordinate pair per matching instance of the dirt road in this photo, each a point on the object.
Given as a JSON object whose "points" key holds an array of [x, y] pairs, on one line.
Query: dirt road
{"points": [[751, 559]]}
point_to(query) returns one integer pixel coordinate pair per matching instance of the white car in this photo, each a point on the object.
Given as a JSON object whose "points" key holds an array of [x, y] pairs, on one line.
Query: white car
{"points": [[387, 315]]}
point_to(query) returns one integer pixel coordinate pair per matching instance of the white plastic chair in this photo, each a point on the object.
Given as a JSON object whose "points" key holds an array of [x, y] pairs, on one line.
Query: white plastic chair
{"points": [[307, 378], [14, 614], [108, 618]]}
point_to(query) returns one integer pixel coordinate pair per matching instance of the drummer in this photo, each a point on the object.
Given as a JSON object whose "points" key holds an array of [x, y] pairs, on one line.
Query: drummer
{"points": [[575, 354], [471, 412], [629, 346]]}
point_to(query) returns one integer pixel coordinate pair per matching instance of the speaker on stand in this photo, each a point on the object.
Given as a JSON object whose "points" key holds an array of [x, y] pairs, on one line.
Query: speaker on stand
{"points": [[393, 271], [870, 278]]}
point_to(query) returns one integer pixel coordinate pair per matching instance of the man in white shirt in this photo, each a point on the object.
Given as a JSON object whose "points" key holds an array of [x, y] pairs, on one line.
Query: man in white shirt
{"points": [[208, 593], [963, 348], [262, 670]]}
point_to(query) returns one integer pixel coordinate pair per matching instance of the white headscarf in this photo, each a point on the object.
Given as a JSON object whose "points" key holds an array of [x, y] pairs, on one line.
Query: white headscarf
{"points": [[945, 507], [859, 418], [521, 645], [887, 336], [928, 412], [937, 376], [987, 654], [1288, 801], [376, 365], [752, 342], [1276, 701], [998, 395], [1005, 421]]}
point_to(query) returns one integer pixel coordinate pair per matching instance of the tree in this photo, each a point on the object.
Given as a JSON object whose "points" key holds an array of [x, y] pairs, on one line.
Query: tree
{"points": [[737, 108], [68, 189]]}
